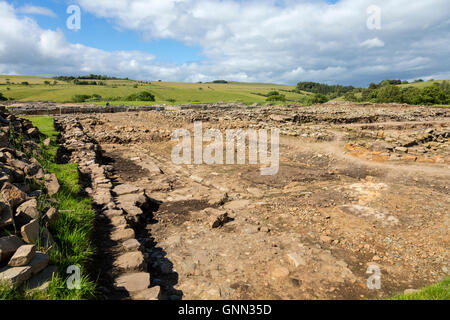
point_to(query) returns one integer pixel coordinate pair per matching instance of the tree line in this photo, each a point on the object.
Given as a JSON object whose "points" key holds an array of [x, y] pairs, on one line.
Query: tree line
{"points": [[89, 77], [436, 94]]}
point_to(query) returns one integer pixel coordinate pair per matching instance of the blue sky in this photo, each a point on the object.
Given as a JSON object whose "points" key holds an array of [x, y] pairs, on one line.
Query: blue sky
{"points": [[102, 34], [282, 41]]}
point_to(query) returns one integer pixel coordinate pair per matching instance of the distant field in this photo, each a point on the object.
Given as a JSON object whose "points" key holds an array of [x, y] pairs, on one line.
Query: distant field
{"points": [[165, 92]]}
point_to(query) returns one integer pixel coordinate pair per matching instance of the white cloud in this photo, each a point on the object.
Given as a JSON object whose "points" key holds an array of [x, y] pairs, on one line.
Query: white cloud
{"points": [[373, 43], [265, 40], [28, 9]]}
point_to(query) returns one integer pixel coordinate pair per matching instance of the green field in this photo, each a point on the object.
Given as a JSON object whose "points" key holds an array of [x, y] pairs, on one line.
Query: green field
{"points": [[165, 92], [421, 84]]}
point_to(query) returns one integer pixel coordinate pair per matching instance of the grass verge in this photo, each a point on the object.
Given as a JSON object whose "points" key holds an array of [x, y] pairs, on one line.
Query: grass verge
{"points": [[72, 231], [439, 291]]}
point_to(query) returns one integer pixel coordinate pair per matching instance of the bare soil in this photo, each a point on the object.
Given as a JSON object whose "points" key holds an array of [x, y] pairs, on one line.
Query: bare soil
{"points": [[347, 195]]}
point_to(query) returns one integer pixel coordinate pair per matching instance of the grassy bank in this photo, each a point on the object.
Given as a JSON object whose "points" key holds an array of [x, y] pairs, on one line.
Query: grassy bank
{"points": [[439, 291], [71, 231]]}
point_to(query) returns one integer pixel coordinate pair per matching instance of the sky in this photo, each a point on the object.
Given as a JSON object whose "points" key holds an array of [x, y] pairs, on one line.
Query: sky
{"points": [[350, 42]]}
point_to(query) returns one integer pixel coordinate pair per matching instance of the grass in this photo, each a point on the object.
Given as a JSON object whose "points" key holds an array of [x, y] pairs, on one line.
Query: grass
{"points": [[421, 84], [71, 231], [439, 291], [165, 92]]}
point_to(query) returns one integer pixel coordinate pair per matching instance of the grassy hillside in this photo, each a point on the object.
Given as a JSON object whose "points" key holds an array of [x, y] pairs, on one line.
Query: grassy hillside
{"points": [[165, 92], [421, 84]]}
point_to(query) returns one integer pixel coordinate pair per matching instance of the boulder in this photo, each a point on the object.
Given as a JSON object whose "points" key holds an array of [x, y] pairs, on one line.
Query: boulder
{"points": [[121, 234], [15, 175], [5, 215], [23, 256], [130, 261], [30, 232], [18, 164], [8, 246], [39, 262], [102, 197], [41, 281], [12, 195], [131, 209], [138, 199], [131, 245], [33, 132], [51, 216], [14, 277], [113, 213], [217, 218], [218, 199], [28, 211], [126, 189], [52, 184], [32, 169], [149, 294], [47, 142], [118, 221], [133, 282]]}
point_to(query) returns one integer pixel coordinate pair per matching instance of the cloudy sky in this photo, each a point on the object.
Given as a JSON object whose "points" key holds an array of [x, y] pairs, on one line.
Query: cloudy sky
{"points": [[276, 41]]}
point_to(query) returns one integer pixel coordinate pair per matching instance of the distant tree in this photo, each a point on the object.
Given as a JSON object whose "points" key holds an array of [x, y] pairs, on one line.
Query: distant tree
{"points": [[350, 96], [25, 83], [445, 86], [141, 96], [389, 93], [277, 97], [320, 98], [373, 86], [331, 91]]}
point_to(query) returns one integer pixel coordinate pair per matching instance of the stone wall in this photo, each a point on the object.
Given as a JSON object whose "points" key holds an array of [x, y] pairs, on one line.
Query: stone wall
{"points": [[25, 240], [52, 109], [120, 208]]}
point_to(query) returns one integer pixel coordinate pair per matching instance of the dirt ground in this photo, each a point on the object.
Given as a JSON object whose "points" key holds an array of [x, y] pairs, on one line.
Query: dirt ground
{"points": [[358, 186]]}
